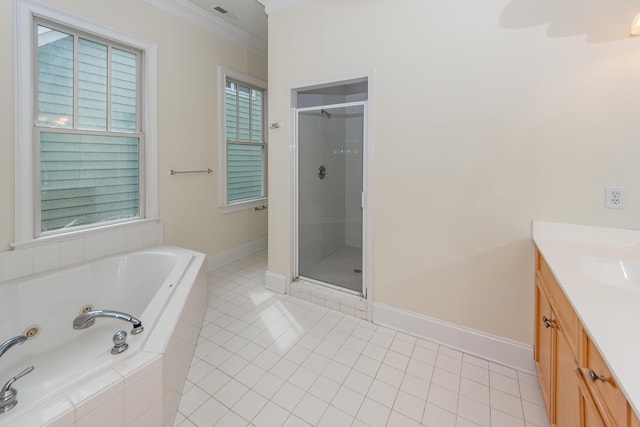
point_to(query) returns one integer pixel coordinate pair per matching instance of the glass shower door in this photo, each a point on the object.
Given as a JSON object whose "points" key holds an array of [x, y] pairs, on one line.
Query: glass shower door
{"points": [[330, 185]]}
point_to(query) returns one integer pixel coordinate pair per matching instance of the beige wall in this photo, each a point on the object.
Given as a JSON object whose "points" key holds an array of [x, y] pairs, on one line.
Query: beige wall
{"points": [[188, 135], [479, 124]]}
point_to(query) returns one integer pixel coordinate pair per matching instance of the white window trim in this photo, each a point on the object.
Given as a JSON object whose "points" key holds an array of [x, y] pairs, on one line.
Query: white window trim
{"points": [[225, 207], [24, 192]]}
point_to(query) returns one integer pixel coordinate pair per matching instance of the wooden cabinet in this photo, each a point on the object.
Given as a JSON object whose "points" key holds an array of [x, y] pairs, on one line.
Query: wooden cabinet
{"points": [[577, 386]]}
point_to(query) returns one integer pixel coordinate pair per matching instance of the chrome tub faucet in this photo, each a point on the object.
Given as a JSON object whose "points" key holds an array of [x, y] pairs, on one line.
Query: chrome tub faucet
{"points": [[8, 394], [85, 320], [5, 346]]}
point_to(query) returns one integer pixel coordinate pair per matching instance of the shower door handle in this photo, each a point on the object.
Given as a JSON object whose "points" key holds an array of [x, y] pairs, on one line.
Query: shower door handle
{"points": [[362, 199], [322, 172]]}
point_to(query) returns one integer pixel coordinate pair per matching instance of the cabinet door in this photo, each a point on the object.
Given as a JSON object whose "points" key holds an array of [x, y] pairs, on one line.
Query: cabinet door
{"points": [[589, 415], [567, 399], [604, 389], [544, 347]]}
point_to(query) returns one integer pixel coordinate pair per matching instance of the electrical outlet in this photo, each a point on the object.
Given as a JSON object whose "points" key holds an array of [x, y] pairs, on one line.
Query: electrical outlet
{"points": [[614, 197]]}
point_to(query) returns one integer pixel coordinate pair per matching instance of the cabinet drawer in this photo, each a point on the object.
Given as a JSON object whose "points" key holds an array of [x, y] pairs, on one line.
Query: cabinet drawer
{"points": [[603, 387], [564, 313]]}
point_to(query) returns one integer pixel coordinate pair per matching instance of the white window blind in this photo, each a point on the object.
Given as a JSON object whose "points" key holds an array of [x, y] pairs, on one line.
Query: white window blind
{"points": [[87, 130], [246, 148]]}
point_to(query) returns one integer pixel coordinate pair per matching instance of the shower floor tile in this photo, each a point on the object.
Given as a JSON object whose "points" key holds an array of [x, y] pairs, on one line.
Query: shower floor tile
{"points": [[276, 360], [338, 269]]}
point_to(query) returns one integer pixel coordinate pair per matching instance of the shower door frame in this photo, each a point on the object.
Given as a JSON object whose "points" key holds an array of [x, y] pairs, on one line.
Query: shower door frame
{"points": [[296, 189]]}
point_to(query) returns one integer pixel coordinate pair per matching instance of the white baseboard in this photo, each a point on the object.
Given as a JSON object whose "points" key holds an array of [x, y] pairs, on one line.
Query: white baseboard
{"points": [[224, 258], [496, 349], [275, 282]]}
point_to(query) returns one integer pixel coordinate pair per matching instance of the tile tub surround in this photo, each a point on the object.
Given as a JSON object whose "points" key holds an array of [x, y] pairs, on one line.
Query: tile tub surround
{"points": [[268, 359], [48, 254], [144, 388]]}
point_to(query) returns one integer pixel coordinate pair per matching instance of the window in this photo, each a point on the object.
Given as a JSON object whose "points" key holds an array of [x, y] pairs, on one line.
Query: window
{"points": [[82, 151], [244, 149], [86, 129]]}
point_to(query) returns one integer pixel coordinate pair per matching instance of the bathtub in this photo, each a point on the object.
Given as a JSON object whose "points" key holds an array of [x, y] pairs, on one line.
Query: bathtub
{"points": [[77, 381]]}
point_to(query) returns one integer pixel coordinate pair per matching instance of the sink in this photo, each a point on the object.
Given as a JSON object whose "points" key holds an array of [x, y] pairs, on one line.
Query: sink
{"points": [[614, 272]]}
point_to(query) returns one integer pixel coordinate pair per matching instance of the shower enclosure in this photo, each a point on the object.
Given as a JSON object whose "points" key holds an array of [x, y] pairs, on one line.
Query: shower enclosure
{"points": [[330, 194]]}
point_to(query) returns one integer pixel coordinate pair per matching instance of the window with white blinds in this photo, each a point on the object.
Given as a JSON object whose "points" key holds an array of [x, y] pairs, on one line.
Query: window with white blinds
{"points": [[87, 130], [244, 110]]}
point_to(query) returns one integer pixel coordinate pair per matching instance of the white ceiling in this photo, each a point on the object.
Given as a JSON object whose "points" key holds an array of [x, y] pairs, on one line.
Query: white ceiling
{"points": [[248, 15]]}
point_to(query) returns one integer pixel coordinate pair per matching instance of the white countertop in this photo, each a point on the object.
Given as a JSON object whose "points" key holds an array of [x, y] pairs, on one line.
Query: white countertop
{"points": [[604, 293]]}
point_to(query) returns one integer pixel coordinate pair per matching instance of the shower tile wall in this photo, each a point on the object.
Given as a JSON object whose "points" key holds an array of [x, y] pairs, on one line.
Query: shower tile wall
{"points": [[322, 201]]}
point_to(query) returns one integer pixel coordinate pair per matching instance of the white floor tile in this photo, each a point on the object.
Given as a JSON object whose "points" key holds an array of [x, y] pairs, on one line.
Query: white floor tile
{"points": [[249, 405], [398, 419], [420, 369], [191, 400], [415, 386], [435, 416], [534, 413], [303, 378], [325, 388], [373, 413], [334, 417], [475, 411], [288, 396], [390, 375], [266, 360], [501, 419], [506, 403], [336, 371], [443, 398], [382, 393], [409, 406], [348, 400], [310, 409], [446, 379], [231, 419], [503, 383], [230, 393], [233, 365], [214, 381], [271, 415], [270, 360], [358, 381], [208, 414], [449, 363], [283, 369], [268, 385]]}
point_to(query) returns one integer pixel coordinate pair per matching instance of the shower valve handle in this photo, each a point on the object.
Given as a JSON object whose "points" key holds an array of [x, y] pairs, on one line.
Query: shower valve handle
{"points": [[322, 172]]}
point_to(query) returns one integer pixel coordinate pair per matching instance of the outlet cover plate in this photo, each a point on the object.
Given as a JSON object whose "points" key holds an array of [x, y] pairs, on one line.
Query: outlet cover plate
{"points": [[613, 197]]}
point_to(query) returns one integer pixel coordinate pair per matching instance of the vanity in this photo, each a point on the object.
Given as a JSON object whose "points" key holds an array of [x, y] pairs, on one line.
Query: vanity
{"points": [[587, 324]]}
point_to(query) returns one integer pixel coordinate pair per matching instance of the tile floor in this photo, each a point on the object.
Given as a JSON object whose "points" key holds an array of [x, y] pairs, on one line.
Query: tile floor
{"points": [[265, 359], [338, 268]]}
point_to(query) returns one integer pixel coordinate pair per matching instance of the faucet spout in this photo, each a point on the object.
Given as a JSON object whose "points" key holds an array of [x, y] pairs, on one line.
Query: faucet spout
{"points": [[87, 319], [5, 346]]}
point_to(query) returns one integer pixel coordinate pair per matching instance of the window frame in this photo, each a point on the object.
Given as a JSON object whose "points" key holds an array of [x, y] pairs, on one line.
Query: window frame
{"points": [[27, 184], [253, 83]]}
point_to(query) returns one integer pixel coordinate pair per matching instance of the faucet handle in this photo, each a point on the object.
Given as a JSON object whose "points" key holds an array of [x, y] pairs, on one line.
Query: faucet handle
{"points": [[9, 383], [8, 394]]}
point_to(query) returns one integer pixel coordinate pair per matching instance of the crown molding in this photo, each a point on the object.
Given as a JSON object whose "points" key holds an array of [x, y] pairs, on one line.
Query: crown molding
{"points": [[213, 24], [273, 5]]}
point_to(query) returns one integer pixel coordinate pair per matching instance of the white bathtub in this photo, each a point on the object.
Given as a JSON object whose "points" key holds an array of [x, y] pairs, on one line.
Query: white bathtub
{"points": [[77, 381]]}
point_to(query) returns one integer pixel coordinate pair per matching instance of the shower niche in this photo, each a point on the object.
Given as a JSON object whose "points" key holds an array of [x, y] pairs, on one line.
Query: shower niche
{"points": [[330, 185]]}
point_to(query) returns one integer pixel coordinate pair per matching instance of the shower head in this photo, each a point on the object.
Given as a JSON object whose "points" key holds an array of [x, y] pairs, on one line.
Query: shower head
{"points": [[325, 113]]}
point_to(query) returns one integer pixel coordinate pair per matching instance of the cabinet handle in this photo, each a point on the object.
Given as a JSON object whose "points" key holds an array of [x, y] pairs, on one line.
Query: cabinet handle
{"points": [[548, 323], [594, 377]]}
